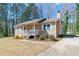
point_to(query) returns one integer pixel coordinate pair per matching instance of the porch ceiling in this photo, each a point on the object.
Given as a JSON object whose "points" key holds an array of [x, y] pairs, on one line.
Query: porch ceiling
{"points": [[27, 25]]}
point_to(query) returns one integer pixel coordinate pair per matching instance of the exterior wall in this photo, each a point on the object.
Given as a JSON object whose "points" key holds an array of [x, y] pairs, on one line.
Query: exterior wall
{"points": [[56, 30], [59, 28], [31, 26], [49, 32]]}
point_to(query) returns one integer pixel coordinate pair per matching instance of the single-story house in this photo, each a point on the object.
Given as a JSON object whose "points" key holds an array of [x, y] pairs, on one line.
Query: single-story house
{"points": [[40, 26]]}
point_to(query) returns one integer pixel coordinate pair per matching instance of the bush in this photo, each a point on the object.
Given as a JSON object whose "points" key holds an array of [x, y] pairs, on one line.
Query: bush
{"points": [[43, 37], [18, 37], [51, 38], [37, 37]]}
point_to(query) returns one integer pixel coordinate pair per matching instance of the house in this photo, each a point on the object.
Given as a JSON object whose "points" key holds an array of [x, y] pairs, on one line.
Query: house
{"points": [[40, 27]]}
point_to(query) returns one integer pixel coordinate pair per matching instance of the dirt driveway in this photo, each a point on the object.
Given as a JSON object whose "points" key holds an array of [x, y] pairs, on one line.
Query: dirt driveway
{"points": [[65, 47]]}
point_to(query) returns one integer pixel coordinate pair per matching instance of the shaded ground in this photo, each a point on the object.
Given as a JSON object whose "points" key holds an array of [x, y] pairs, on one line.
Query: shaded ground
{"points": [[65, 47], [12, 47]]}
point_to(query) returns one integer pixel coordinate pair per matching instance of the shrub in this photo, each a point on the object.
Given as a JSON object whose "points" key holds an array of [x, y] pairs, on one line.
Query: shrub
{"points": [[37, 37], [43, 37], [51, 38], [18, 37]]}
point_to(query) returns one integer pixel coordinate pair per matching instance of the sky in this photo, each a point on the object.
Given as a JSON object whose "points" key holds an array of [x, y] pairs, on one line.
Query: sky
{"points": [[54, 7]]}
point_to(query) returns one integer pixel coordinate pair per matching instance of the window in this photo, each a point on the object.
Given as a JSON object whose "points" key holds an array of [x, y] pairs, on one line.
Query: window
{"points": [[46, 27]]}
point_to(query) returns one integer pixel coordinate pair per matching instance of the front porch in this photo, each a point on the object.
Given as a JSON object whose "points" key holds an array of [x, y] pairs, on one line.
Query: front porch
{"points": [[26, 31]]}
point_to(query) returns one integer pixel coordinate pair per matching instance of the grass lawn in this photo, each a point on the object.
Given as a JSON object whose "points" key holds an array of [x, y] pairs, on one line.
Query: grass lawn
{"points": [[12, 47]]}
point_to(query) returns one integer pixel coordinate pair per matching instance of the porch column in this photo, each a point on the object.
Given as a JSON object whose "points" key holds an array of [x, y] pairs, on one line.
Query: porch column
{"points": [[23, 31], [34, 30]]}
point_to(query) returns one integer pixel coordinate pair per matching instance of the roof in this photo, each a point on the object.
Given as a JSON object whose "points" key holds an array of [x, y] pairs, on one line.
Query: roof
{"points": [[32, 21], [42, 20], [50, 20]]}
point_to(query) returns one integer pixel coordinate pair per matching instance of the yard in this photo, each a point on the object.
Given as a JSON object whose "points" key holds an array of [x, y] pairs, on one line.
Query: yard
{"points": [[12, 47]]}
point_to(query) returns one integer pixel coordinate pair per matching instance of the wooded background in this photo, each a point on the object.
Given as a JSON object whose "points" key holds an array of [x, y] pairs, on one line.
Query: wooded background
{"points": [[14, 13]]}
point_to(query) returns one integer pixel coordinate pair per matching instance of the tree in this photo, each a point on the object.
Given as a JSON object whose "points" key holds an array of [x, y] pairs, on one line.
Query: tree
{"points": [[51, 8], [40, 9], [66, 17], [31, 12], [77, 17], [15, 12], [3, 18], [1, 28]]}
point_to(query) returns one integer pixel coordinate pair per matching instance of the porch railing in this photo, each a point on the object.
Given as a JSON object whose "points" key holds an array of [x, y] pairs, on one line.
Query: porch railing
{"points": [[27, 32], [31, 32]]}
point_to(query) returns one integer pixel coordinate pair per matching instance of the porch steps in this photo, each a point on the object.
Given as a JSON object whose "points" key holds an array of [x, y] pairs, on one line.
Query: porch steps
{"points": [[29, 36], [32, 33]]}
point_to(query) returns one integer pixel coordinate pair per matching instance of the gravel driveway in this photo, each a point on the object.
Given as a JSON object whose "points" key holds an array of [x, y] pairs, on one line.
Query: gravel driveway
{"points": [[64, 47]]}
